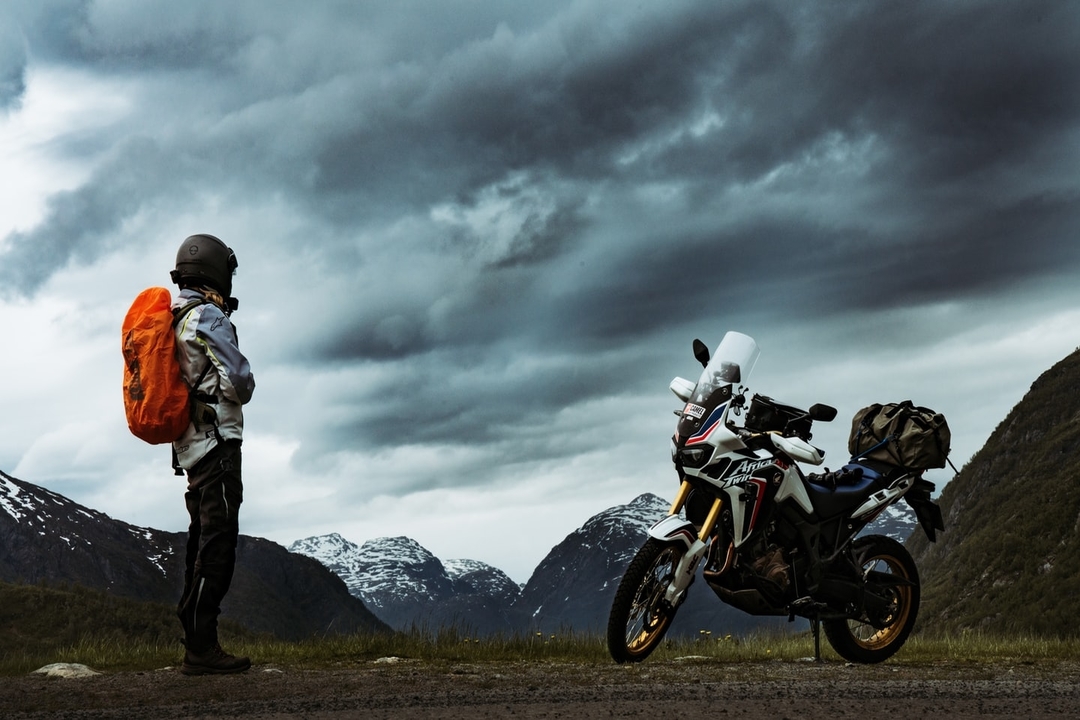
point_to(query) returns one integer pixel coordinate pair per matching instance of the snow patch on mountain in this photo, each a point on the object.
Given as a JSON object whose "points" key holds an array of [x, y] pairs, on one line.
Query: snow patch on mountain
{"points": [[901, 514], [13, 500], [609, 528], [642, 511], [380, 570], [327, 549], [461, 567], [478, 578], [43, 511], [897, 521]]}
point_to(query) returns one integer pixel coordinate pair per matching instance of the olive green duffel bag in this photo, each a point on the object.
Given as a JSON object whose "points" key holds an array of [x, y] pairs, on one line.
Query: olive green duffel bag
{"points": [[915, 438]]}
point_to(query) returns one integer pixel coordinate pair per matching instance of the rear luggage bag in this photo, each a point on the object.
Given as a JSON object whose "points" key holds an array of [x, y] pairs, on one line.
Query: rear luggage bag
{"points": [[902, 434]]}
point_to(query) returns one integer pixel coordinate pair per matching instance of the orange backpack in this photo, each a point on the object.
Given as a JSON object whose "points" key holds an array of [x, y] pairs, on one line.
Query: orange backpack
{"points": [[156, 398]]}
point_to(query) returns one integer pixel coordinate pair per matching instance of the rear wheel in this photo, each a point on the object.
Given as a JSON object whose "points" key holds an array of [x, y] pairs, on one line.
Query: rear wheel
{"points": [[873, 639], [639, 615]]}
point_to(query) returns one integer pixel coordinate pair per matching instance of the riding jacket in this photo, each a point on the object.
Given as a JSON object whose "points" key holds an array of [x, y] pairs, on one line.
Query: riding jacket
{"points": [[207, 348]]}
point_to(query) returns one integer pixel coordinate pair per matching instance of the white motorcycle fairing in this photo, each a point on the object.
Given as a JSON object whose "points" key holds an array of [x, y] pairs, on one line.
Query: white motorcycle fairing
{"points": [[883, 498], [674, 529], [792, 487], [798, 449]]}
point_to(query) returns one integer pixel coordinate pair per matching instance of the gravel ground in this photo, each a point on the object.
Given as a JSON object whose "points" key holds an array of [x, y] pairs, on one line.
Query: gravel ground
{"points": [[687, 688]]}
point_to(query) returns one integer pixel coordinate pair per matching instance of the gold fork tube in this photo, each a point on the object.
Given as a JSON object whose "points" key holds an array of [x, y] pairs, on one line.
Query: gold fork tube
{"points": [[710, 519], [680, 498]]}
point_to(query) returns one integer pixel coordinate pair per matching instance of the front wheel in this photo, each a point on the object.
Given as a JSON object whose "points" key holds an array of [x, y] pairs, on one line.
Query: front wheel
{"points": [[639, 615], [889, 572]]}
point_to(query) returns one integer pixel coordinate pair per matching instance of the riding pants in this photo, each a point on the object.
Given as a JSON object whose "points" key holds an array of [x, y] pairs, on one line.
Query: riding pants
{"points": [[213, 499]]}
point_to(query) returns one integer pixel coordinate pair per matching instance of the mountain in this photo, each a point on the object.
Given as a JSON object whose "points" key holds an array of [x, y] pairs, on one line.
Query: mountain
{"points": [[574, 584], [897, 521], [1009, 559], [406, 586], [572, 587], [477, 578], [485, 597], [47, 538]]}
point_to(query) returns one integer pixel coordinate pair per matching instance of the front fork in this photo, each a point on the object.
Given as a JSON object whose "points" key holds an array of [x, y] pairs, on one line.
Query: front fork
{"points": [[673, 529]]}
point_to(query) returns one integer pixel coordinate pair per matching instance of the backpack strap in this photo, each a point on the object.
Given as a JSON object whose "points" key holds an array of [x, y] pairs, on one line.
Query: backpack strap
{"points": [[181, 312], [193, 391]]}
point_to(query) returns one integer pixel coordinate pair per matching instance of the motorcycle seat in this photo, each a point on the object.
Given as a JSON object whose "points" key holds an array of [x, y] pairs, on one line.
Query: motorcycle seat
{"points": [[845, 490]]}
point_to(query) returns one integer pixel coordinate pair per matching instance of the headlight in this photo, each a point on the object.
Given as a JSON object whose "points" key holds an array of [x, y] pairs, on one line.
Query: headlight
{"points": [[695, 457]]}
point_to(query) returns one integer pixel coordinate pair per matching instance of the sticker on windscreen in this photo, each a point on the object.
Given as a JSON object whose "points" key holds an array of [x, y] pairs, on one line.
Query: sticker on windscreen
{"points": [[694, 411]]}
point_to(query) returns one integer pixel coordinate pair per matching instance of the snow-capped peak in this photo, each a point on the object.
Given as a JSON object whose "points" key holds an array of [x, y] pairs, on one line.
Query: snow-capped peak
{"points": [[13, 500], [641, 512]]}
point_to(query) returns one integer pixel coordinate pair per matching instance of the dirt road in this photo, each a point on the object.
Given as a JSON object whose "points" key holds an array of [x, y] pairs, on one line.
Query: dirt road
{"points": [[686, 688]]}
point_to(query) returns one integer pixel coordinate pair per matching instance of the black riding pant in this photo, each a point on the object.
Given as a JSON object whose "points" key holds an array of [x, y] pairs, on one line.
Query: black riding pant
{"points": [[213, 499]]}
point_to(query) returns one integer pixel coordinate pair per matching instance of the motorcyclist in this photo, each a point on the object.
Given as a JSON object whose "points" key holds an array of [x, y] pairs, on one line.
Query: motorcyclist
{"points": [[209, 451]]}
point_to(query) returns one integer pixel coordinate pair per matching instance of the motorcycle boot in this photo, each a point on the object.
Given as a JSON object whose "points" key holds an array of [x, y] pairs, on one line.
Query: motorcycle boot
{"points": [[214, 661], [774, 568]]}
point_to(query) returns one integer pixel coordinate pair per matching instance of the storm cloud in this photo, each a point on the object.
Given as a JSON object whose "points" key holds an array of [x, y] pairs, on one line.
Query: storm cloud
{"points": [[482, 235]]}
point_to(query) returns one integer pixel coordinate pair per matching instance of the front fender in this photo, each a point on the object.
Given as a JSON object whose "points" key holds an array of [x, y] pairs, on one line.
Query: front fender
{"points": [[674, 528]]}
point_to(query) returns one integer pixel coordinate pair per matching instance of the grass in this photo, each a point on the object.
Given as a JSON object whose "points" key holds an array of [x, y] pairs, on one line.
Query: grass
{"points": [[451, 645], [41, 625], [989, 647]]}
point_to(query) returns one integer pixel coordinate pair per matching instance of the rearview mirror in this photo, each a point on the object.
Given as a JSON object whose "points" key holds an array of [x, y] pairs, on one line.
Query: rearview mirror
{"points": [[701, 352]]}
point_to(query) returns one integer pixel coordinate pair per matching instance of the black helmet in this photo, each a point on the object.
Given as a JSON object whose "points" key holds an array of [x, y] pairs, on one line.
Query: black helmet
{"points": [[205, 260]]}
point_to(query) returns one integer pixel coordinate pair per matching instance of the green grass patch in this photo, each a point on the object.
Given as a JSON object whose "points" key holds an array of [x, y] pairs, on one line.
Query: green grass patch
{"points": [[975, 646], [451, 645], [40, 625]]}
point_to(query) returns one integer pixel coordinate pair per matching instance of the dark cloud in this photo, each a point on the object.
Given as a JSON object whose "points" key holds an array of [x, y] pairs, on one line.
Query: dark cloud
{"points": [[123, 38], [541, 237], [500, 398], [950, 92], [959, 88], [477, 185], [564, 98]]}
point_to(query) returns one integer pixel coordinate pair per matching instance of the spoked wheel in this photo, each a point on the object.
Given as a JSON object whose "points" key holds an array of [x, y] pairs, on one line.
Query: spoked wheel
{"points": [[861, 640], [639, 616]]}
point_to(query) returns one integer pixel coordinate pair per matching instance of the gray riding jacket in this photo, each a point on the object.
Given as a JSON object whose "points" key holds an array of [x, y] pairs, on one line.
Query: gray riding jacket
{"points": [[205, 335]]}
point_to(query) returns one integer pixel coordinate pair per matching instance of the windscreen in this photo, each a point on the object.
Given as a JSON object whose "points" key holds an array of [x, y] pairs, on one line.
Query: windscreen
{"points": [[731, 364]]}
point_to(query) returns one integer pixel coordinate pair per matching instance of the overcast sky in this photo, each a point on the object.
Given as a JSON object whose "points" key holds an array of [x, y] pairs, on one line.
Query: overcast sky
{"points": [[476, 239]]}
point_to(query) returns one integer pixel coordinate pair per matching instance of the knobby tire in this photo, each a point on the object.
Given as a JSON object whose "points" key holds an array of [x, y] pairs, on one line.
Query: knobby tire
{"points": [[639, 617], [861, 642]]}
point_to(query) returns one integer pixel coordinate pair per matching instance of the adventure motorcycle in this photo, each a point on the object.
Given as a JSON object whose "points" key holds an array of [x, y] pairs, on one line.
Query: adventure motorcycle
{"points": [[771, 540]]}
